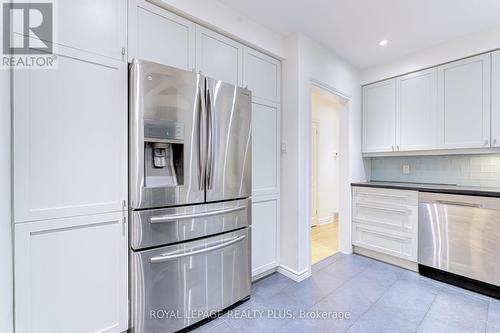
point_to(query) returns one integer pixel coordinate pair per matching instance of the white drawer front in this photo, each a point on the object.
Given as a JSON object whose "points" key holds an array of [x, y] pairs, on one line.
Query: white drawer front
{"points": [[385, 196], [376, 239], [398, 218]]}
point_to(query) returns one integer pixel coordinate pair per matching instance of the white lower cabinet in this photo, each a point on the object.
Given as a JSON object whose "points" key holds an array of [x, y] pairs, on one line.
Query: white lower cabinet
{"points": [[386, 221], [71, 275], [265, 234]]}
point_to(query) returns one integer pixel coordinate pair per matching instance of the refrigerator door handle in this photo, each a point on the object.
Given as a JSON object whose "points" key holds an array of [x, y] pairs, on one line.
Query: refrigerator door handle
{"points": [[169, 218], [177, 255], [210, 154], [202, 163]]}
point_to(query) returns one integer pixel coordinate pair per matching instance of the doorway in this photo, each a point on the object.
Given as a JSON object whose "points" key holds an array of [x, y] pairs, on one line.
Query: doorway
{"points": [[325, 167]]}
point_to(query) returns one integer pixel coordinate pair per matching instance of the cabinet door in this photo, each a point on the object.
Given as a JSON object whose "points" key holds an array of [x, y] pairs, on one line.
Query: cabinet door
{"points": [[495, 100], [71, 275], [218, 57], [464, 97], [95, 26], [417, 111], [379, 117], [265, 242], [160, 36], [265, 150], [262, 75], [70, 138]]}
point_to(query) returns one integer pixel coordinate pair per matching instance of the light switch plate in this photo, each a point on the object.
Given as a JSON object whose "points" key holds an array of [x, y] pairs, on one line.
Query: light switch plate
{"points": [[406, 169], [284, 148]]}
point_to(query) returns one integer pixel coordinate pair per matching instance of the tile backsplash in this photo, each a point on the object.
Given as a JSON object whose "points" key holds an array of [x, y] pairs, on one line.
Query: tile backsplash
{"points": [[467, 170]]}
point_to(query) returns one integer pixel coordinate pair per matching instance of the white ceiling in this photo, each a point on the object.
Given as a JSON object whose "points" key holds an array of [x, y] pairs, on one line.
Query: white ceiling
{"points": [[353, 28]]}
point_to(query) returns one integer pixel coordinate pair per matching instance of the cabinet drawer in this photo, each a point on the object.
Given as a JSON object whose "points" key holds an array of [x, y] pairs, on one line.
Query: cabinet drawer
{"points": [[396, 244], [384, 196], [403, 219]]}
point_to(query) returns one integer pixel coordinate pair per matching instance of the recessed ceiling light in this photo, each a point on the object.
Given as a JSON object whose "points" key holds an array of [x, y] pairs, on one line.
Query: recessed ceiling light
{"points": [[383, 42]]}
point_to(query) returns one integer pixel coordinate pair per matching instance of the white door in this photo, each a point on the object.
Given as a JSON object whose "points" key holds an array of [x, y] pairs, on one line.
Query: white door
{"points": [[314, 180], [70, 138], [379, 117], [464, 97], [71, 275], [495, 100], [219, 57], [159, 36], [262, 75], [417, 111]]}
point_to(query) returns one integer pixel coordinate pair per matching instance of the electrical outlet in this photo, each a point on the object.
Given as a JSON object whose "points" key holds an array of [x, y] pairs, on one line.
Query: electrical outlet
{"points": [[406, 169]]}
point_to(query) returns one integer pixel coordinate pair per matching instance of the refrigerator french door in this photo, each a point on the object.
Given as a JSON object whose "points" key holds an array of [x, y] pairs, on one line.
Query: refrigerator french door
{"points": [[190, 195], [188, 133]]}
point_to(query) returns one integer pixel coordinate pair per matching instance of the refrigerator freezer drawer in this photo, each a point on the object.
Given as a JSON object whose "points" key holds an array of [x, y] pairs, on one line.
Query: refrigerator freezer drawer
{"points": [[158, 227], [175, 286]]}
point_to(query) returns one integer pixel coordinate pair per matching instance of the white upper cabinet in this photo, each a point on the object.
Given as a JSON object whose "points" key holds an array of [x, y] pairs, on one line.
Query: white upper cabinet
{"points": [[379, 117], [159, 36], [262, 75], [94, 26], [71, 275], [265, 147], [464, 97], [417, 111], [70, 138], [219, 57], [495, 99]]}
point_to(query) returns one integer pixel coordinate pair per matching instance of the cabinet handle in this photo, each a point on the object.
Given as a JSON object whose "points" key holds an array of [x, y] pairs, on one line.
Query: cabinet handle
{"points": [[486, 142], [401, 211], [398, 147], [392, 147], [494, 141]]}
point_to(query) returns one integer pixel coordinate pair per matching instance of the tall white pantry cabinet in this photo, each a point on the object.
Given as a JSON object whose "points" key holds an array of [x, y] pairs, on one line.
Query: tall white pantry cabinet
{"points": [[153, 31], [70, 137], [70, 177]]}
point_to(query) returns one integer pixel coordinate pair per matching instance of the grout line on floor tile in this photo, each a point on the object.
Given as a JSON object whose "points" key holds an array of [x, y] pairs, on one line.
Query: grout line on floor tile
{"points": [[371, 305]]}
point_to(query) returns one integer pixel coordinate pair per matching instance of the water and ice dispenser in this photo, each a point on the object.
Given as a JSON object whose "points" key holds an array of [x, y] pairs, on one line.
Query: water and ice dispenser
{"points": [[163, 153]]}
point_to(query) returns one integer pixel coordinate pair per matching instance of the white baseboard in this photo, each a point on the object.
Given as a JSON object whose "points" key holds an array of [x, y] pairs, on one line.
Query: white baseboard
{"points": [[328, 219], [263, 271], [325, 220], [293, 274]]}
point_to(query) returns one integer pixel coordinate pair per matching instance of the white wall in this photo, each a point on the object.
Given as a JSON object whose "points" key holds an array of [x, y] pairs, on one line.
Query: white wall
{"points": [[326, 112], [309, 61], [226, 20], [6, 283], [465, 46]]}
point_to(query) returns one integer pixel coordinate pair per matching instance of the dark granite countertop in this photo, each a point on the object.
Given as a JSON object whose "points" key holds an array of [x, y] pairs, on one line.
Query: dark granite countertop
{"points": [[435, 188]]}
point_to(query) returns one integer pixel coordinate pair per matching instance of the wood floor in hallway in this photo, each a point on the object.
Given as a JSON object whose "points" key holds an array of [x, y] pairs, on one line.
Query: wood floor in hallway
{"points": [[324, 241]]}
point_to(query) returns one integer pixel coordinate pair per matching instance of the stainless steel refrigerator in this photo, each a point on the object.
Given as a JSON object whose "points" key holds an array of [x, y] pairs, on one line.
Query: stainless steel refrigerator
{"points": [[190, 196]]}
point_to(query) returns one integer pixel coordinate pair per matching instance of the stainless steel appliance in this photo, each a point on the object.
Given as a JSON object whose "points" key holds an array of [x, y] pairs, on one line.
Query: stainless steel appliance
{"points": [[190, 188], [459, 240]]}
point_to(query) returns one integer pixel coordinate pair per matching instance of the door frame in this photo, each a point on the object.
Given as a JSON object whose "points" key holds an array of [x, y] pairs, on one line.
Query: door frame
{"points": [[344, 216], [314, 173]]}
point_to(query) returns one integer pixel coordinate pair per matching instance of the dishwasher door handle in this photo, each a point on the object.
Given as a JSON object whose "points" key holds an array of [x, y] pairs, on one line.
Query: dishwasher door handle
{"points": [[458, 203]]}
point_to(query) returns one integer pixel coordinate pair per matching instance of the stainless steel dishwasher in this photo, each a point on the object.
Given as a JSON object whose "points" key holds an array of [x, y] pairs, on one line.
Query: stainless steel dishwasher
{"points": [[459, 240]]}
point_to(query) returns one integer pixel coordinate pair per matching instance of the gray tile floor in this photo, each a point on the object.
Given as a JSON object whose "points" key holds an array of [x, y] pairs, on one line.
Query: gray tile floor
{"points": [[378, 298]]}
